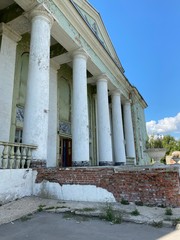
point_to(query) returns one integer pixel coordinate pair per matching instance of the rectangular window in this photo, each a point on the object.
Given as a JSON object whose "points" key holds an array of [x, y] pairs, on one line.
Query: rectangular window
{"points": [[18, 135]]}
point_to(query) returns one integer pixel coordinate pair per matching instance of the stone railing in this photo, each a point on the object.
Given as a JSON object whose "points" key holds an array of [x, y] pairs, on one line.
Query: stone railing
{"points": [[16, 155]]}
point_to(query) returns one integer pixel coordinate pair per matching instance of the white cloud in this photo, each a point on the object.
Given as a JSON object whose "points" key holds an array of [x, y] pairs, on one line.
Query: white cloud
{"points": [[169, 125]]}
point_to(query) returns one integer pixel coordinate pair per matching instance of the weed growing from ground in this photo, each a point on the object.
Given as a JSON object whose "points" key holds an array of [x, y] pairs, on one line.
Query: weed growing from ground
{"points": [[168, 211], [176, 221], [26, 218], [40, 208], [111, 216], [49, 208], [139, 203], [124, 201], [135, 213], [87, 209], [158, 224]]}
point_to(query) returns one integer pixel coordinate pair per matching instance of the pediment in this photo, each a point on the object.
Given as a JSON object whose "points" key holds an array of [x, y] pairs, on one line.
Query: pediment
{"points": [[95, 23]]}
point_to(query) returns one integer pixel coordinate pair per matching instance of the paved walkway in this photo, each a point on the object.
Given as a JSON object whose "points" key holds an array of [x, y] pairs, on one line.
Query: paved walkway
{"points": [[23, 208], [45, 226]]}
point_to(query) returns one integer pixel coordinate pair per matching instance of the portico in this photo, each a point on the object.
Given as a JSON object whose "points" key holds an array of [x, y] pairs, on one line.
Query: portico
{"points": [[74, 88]]}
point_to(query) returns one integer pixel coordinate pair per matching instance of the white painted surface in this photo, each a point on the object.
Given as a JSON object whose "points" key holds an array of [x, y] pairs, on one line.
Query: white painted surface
{"points": [[128, 128], [7, 69], [118, 134], [18, 183], [35, 129], [80, 121], [15, 183], [52, 126], [104, 132], [73, 192]]}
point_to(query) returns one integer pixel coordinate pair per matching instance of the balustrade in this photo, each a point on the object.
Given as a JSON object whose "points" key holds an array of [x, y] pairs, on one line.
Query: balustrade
{"points": [[16, 155]]}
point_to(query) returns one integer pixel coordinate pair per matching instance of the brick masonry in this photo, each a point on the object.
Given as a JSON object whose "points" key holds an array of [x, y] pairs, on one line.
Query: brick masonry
{"points": [[158, 187]]}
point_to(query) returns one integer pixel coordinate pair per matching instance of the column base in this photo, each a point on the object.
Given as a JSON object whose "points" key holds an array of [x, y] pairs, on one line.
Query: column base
{"points": [[130, 160], [120, 164], [38, 163], [81, 164], [106, 164]]}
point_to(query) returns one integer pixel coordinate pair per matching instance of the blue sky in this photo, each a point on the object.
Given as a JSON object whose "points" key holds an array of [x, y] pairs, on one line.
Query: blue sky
{"points": [[146, 36]]}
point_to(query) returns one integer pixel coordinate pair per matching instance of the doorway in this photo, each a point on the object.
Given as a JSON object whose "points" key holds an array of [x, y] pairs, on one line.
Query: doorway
{"points": [[65, 152]]}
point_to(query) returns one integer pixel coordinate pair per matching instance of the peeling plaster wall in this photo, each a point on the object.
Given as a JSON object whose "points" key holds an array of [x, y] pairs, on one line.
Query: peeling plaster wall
{"points": [[72, 192], [150, 186], [19, 183], [15, 183]]}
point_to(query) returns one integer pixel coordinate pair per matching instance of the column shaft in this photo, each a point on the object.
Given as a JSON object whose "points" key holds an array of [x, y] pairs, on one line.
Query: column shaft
{"points": [[104, 131], [118, 134], [80, 122], [53, 123], [128, 127], [9, 41], [35, 129]]}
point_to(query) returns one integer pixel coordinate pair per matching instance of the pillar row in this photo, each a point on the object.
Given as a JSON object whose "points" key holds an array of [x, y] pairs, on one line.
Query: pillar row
{"points": [[117, 126], [103, 119], [36, 116], [80, 121]]}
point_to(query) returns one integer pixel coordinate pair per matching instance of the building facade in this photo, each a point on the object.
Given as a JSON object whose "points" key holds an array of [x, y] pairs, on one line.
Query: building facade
{"points": [[63, 89]]}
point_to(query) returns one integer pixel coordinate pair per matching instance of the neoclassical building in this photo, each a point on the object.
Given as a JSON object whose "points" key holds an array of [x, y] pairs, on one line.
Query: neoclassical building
{"points": [[63, 91]]}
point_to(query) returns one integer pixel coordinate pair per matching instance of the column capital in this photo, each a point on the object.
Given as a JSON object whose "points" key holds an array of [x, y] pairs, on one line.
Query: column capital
{"points": [[80, 53], [102, 78], [9, 32], [42, 13], [127, 102], [53, 64], [116, 92]]}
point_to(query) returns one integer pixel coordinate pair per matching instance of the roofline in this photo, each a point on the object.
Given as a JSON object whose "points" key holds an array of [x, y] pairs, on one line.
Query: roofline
{"points": [[120, 68]]}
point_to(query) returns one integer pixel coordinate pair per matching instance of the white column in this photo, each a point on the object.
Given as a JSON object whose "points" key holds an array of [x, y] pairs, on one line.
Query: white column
{"points": [[35, 129], [104, 130], [128, 128], [80, 121], [9, 40], [53, 118], [118, 134]]}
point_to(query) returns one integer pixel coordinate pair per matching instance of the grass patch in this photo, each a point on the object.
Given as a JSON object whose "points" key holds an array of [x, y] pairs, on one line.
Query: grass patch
{"points": [[49, 208], [168, 211], [41, 208], [124, 201], [69, 215], [111, 216], [26, 218], [86, 209], [135, 213], [176, 221], [139, 203], [157, 224], [60, 207]]}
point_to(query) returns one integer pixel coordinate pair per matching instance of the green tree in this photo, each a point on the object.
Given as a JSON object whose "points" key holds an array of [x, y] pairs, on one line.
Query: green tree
{"points": [[171, 144]]}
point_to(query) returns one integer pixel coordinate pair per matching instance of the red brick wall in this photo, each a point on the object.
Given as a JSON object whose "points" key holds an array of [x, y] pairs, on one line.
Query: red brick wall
{"points": [[150, 186]]}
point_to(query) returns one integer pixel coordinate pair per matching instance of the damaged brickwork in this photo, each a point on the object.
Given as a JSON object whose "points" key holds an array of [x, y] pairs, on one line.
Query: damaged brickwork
{"points": [[152, 187]]}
